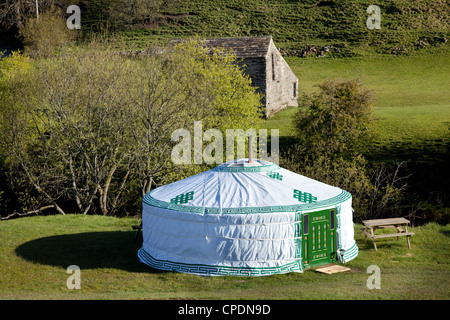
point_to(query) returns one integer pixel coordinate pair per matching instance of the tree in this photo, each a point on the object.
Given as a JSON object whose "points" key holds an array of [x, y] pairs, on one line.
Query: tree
{"points": [[334, 126], [91, 128], [191, 82], [334, 121], [14, 13], [44, 35]]}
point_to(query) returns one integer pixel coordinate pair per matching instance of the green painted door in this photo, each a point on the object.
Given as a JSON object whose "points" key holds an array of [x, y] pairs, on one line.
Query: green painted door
{"points": [[318, 238]]}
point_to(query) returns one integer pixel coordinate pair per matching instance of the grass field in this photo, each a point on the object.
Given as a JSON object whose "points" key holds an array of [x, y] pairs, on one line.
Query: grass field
{"points": [[412, 105], [412, 108], [36, 251], [412, 99], [293, 24]]}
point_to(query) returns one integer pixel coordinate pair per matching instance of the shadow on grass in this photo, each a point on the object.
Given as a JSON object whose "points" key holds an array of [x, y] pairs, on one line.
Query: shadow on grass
{"points": [[90, 250], [432, 151], [446, 233]]}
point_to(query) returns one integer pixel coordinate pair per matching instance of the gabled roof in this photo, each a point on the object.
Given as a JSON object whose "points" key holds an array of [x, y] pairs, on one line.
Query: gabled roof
{"points": [[243, 47]]}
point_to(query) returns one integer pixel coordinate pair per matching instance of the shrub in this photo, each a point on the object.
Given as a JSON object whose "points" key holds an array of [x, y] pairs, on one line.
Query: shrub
{"points": [[44, 35], [333, 128], [334, 121]]}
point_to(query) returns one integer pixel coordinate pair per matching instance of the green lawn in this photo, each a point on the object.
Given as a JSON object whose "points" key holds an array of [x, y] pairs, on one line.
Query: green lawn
{"points": [[412, 93], [36, 251]]}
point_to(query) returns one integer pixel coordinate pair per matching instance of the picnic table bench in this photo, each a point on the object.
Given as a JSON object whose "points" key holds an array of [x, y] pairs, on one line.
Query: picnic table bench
{"points": [[397, 223]]}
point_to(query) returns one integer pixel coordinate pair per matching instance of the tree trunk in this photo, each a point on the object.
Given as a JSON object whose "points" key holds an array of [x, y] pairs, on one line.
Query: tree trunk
{"points": [[122, 185], [40, 190], [28, 213], [74, 185], [18, 15], [147, 186]]}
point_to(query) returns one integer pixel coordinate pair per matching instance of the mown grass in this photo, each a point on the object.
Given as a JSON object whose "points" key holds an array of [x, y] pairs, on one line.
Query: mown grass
{"points": [[36, 251]]}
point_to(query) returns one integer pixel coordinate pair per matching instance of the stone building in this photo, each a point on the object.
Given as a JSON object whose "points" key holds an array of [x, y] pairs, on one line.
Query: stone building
{"points": [[269, 72]]}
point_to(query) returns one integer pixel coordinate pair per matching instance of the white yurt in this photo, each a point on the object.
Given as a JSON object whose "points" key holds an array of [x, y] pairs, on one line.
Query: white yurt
{"points": [[246, 218]]}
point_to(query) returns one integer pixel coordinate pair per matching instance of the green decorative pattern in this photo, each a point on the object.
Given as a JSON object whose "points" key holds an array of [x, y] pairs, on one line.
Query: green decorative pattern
{"points": [[314, 238], [304, 196], [338, 232], [349, 254], [343, 196], [318, 256], [183, 198], [210, 270], [264, 168], [298, 236], [275, 175]]}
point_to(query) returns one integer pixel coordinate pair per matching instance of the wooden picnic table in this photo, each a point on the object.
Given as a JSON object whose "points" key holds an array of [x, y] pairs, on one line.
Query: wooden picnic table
{"points": [[397, 223]]}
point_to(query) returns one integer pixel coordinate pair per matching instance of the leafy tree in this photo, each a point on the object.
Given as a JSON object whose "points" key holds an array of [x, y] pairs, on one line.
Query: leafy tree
{"points": [[334, 121], [92, 128], [126, 13]]}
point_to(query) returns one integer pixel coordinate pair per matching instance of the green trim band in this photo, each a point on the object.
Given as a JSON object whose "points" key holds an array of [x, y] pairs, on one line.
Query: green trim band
{"points": [[343, 196], [350, 254], [263, 168], [209, 270]]}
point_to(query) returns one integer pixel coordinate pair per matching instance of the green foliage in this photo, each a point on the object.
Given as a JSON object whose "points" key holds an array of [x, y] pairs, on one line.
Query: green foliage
{"points": [[334, 121], [91, 128], [333, 128], [299, 25], [231, 96], [44, 35], [13, 62]]}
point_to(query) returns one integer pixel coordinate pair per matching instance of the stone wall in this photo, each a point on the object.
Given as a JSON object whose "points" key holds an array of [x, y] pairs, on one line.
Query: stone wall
{"points": [[256, 69], [281, 82], [274, 79]]}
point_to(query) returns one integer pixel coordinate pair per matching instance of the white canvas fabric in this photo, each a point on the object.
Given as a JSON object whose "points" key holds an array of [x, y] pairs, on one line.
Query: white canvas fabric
{"points": [[238, 219]]}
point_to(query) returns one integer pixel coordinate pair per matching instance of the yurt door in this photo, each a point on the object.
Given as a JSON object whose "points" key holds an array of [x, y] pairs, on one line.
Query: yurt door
{"points": [[319, 238]]}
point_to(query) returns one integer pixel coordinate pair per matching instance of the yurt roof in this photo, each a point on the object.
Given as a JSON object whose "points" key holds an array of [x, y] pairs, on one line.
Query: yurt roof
{"points": [[240, 187]]}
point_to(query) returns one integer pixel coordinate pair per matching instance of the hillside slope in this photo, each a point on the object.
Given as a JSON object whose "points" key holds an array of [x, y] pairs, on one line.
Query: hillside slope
{"points": [[297, 26]]}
